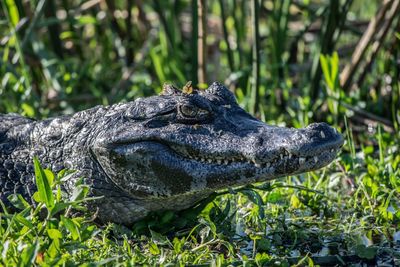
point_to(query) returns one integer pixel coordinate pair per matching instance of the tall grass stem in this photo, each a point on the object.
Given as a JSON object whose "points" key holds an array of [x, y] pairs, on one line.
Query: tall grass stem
{"points": [[255, 94]]}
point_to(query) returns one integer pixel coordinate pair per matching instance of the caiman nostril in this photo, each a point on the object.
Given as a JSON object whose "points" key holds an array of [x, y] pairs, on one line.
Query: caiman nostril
{"points": [[259, 141]]}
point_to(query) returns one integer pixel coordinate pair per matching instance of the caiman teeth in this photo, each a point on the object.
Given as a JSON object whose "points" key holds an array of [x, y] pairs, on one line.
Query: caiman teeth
{"points": [[281, 158]]}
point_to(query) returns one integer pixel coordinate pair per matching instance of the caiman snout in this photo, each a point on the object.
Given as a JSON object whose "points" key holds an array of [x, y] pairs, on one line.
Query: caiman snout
{"points": [[314, 139], [290, 150]]}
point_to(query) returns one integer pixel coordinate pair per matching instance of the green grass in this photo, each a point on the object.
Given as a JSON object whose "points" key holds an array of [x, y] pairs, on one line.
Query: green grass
{"points": [[69, 55]]}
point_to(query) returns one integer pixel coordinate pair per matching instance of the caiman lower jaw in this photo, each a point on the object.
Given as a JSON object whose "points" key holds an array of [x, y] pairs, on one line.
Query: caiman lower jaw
{"points": [[285, 158]]}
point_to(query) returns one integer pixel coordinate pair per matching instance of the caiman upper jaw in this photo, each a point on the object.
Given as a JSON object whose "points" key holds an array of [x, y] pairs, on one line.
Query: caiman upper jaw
{"points": [[266, 144], [272, 150], [301, 150], [315, 139]]}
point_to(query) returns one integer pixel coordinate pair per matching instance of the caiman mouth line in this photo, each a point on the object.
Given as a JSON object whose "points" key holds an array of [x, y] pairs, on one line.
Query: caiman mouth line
{"points": [[284, 157]]}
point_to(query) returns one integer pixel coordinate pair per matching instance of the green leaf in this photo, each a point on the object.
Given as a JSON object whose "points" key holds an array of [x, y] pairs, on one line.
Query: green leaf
{"points": [[36, 197], [262, 259], [59, 207], [372, 170], [21, 219], [295, 201], [79, 193], [305, 261], [263, 244], [18, 201], [13, 12], [28, 110], [334, 65], [274, 197], [54, 248], [368, 150], [330, 69], [54, 233], [28, 255], [326, 71], [71, 227], [87, 20], [256, 199], [366, 252], [50, 176], [158, 66], [178, 244], [43, 185], [159, 238], [153, 249]]}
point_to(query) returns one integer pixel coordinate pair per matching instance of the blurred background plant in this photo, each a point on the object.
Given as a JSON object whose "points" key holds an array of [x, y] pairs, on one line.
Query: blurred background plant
{"points": [[62, 56], [289, 62]]}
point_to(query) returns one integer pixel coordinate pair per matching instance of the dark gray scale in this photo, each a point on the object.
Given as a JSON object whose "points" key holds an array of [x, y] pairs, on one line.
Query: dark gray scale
{"points": [[15, 176]]}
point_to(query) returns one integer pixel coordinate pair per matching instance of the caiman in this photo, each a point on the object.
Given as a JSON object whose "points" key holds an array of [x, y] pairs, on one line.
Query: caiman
{"points": [[163, 152]]}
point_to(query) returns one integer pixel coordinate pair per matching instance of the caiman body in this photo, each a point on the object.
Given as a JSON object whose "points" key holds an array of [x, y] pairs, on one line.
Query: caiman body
{"points": [[163, 152]]}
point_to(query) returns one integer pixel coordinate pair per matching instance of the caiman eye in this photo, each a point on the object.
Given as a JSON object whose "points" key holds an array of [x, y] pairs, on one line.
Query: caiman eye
{"points": [[188, 110]]}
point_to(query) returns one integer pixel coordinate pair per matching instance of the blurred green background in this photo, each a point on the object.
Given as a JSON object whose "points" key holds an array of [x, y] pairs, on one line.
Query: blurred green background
{"points": [[58, 57]]}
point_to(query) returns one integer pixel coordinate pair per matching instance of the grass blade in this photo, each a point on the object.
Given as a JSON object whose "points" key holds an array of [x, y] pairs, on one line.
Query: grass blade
{"points": [[195, 30], [222, 5], [43, 185], [255, 94], [201, 40]]}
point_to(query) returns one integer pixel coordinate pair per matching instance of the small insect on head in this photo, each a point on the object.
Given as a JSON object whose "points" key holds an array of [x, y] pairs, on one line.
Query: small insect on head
{"points": [[188, 88]]}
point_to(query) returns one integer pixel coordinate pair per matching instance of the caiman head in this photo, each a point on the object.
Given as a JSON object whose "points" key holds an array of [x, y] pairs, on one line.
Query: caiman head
{"points": [[179, 147]]}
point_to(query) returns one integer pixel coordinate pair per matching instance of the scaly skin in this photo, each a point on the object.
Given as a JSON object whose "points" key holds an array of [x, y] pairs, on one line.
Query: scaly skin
{"points": [[162, 152]]}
